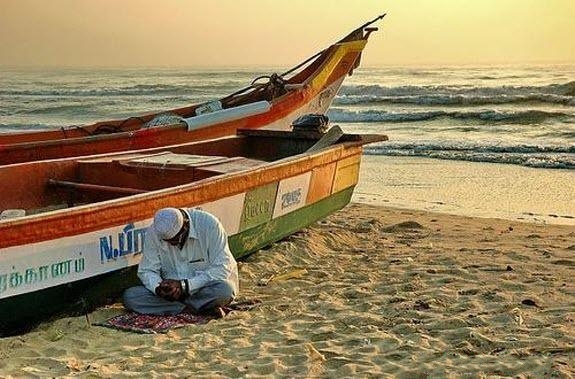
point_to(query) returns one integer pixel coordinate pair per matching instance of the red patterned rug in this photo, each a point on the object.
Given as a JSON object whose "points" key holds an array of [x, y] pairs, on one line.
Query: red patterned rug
{"points": [[153, 324]]}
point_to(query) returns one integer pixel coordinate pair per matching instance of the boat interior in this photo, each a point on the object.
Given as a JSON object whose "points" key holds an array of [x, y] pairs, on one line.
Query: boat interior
{"points": [[43, 186]]}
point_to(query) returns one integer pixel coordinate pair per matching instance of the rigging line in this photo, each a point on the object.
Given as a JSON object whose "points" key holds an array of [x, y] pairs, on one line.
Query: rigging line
{"points": [[312, 57], [366, 24], [341, 40]]}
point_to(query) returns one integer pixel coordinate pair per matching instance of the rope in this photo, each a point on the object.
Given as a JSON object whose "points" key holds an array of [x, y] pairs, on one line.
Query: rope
{"points": [[308, 59], [107, 128]]}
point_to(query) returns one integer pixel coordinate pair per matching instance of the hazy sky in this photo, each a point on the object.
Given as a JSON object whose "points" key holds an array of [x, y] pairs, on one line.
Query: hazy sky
{"points": [[271, 32]]}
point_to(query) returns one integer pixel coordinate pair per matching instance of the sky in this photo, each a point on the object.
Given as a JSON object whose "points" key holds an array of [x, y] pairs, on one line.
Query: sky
{"points": [[234, 33]]}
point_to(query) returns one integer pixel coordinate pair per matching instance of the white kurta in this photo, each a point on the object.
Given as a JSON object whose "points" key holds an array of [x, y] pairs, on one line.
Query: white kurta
{"points": [[205, 256]]}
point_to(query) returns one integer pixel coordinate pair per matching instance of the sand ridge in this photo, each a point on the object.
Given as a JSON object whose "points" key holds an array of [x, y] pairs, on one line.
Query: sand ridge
{"points": [[367, 292]]}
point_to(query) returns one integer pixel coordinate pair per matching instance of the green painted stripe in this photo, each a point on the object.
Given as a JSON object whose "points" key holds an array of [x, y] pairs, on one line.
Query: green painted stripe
{"points": [[262, 235]]}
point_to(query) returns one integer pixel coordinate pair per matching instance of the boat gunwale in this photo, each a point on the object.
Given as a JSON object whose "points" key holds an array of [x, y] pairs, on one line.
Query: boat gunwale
{"points": [[104, 288], [30, 229]]}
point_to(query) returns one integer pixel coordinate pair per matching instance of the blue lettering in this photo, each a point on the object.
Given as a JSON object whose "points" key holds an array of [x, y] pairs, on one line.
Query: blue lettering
{"points": [[129, 242], [139, 235], [106, 250], [126, 240]]}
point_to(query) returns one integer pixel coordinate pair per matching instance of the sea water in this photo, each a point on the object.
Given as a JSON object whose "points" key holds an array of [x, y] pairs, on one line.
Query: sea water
{"points": [[443, 123]]}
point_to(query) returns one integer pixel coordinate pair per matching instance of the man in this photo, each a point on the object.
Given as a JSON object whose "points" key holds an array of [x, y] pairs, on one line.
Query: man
{"points": [[186, 265]]}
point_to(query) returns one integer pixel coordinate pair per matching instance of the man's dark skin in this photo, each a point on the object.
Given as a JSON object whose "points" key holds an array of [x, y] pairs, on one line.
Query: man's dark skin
{"points": [[170, 289]]}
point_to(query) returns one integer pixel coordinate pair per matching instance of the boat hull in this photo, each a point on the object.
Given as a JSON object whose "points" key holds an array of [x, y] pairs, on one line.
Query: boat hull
{"points": [[20, 312], [68, 261]]}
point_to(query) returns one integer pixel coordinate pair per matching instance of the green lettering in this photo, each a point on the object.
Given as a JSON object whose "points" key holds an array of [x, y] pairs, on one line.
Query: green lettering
{"points": [[16, 279]]}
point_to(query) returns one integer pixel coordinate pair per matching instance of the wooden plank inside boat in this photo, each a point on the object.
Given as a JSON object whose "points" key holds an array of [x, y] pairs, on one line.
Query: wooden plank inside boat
{"points": [[171, 160]]}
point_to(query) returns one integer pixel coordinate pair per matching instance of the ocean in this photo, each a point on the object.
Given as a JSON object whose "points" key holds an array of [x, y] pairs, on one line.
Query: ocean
{"points": [[514, 115], [522, 115]]}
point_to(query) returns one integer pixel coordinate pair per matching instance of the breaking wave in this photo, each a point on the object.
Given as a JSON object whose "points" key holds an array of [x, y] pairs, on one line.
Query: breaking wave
{"points": [[457, 95], [12, 128], [531, 156], [519, 116], [133, 90]]}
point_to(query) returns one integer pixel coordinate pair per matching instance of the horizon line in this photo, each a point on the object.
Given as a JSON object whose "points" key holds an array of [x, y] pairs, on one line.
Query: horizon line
{"points": [[276, 66]]}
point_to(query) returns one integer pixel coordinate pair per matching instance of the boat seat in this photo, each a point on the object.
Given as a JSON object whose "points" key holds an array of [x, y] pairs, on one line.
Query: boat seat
{"points": [[169, 160], [203, 166], [149, 171], [130, 174], [78, 190], [94, 187], [230, 165]]}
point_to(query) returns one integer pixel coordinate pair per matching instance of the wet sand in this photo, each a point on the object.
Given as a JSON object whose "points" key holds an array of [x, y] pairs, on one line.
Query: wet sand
{"points": [[469, 188], [368, 292]]}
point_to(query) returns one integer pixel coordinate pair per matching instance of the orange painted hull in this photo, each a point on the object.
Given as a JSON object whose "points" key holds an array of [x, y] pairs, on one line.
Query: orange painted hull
{"points": [[261, 188], [140, 207]]}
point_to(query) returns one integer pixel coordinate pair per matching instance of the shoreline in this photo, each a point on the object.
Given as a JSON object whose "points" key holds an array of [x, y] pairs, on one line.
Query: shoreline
{"points": [[387, 293], [476, 189]]}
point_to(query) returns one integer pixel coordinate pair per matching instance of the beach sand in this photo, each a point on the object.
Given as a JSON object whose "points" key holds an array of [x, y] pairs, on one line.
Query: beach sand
{"points": [[370, 292]]}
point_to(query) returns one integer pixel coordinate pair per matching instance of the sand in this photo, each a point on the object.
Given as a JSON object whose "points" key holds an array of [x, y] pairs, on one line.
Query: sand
{"points": [[369, 292]]}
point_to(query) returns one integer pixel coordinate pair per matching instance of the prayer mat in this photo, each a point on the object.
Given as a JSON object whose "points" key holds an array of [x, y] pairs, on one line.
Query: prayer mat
{"points": [[154, 324]]}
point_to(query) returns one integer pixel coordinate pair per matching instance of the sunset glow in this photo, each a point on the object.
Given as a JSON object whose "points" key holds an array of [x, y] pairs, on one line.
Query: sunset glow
{"points": [[265, 32]]}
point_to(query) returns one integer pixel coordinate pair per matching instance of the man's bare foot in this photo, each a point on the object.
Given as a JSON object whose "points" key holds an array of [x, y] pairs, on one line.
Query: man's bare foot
{"points": [[218, 312]]}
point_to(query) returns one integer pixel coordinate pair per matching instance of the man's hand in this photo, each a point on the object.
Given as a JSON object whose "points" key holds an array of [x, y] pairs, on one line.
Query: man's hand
{"points": [[170, 289]]}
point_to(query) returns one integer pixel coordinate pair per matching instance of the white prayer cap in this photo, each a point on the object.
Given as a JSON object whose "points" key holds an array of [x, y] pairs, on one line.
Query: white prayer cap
{"points": [[168, 222]]}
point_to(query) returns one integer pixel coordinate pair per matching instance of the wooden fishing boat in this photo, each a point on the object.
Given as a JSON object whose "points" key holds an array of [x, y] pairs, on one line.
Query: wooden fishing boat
{"points": [[75, 226], [309, 87]]}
